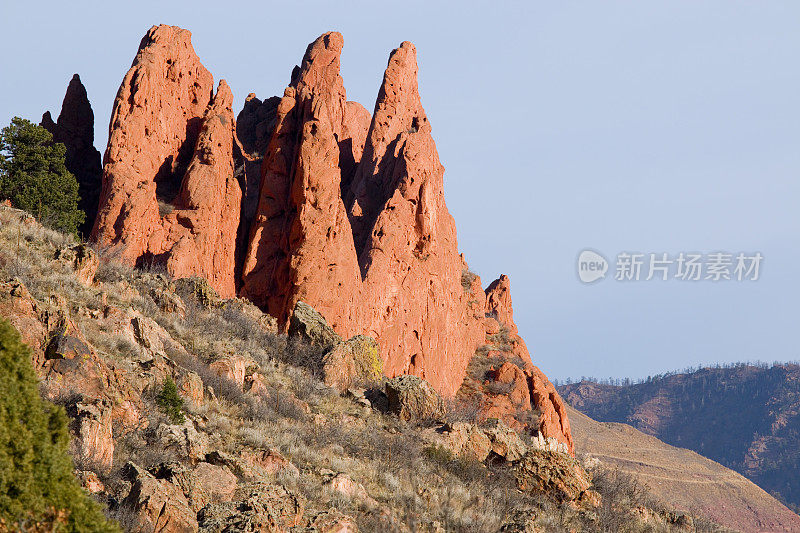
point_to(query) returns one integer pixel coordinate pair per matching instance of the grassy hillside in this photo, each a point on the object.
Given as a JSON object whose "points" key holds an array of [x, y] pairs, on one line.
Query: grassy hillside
{"points": [[249, 438]]}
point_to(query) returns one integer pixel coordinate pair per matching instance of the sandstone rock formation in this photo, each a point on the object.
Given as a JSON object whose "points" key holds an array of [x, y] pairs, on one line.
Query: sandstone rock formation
{"points": [[399, 281], [301, 245], [503, 380], [418, 308], [349, 218], [169, 191], [75, 129]]}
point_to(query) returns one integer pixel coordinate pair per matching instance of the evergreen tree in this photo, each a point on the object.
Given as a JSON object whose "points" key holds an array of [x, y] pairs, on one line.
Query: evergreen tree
{"points": [[36, 481], [34, 177], [170, 402]]}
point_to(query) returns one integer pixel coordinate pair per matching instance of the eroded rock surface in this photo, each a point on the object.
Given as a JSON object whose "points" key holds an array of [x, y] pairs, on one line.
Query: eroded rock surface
{"points": [[169, 192], [312, 201]]}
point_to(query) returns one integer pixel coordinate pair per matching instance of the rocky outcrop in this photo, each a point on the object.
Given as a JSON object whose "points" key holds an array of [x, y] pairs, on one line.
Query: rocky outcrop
{"points": [[355, 361], [169, 192], [157, 504], [557, 475], [417, 307], [505, 383], [92, 423], [75, 129], [412, 398], [301, 245], [349, 220]]}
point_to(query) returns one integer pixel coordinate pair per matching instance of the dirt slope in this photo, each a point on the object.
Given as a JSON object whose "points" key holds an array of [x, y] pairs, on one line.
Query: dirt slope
{"points": [[681, 478]]}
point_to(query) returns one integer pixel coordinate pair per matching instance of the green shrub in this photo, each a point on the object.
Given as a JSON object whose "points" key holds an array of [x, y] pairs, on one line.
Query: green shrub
{"points": [[170, 402], [36, 481], [34, 177]]}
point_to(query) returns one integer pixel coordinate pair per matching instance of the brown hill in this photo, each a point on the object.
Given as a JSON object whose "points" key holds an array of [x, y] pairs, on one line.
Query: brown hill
{"points": [[681, 478], [746, 417]]}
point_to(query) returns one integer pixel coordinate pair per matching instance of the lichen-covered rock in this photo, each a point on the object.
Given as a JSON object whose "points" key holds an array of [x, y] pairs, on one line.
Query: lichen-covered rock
{"points": [[556, 475], [67, 343], [467, 440], [505, 442], [203, 484], [184, 439], [309, 325], [157, 504], [353, 362], [412, 398], [266, 508]]}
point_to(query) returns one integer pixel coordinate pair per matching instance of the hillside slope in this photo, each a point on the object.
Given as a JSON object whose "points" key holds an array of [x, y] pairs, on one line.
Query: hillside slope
{"points": [[745, 417], [681, 478], [190, 412]]}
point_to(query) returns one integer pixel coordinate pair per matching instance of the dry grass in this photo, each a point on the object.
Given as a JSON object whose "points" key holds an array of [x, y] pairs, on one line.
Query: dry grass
{"points": [[415, 488]]}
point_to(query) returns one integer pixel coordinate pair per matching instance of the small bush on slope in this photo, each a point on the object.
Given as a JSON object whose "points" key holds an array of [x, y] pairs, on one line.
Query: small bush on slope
{"points": [[36, 482], [169, 402]]}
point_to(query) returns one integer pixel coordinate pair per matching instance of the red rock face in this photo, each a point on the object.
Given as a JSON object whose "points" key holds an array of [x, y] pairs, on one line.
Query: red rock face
{"points": [[349, 218], [75, 129], [515, 386], [169, 194], [418, 309], [301, 245]]}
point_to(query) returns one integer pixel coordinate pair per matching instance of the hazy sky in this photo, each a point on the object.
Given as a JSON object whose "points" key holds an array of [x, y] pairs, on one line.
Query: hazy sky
{"points": [[619, 126]]}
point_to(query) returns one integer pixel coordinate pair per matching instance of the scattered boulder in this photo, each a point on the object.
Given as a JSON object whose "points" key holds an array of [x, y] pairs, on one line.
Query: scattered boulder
{"points": [[558, 476], [468, 441], [82, 259], [266, 508], [68, 343], [157, 504], [184, 439], [207, 483], [412, 398], [307, 324], [353, 362], [506, 442]]}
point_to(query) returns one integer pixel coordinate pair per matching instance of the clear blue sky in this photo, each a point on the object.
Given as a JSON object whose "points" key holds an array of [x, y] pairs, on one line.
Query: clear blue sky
{"points": [[643, 126]]}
